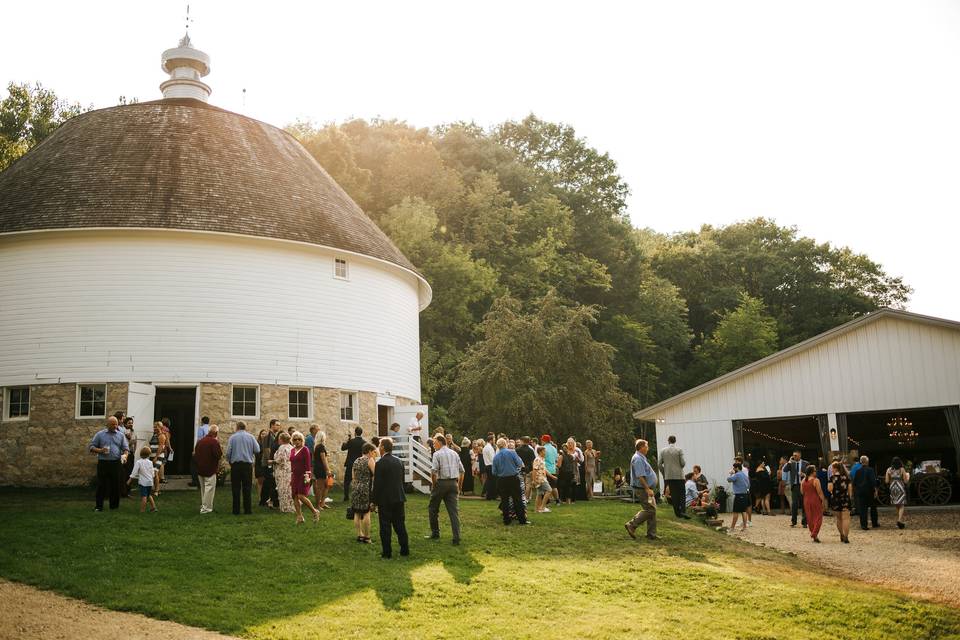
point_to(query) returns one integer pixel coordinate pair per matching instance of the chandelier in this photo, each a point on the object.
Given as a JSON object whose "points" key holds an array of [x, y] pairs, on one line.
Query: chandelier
{"points": [[901, 430]]}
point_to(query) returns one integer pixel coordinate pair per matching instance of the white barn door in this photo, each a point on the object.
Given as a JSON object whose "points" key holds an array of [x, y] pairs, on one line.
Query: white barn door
{"points": [[140, 400], [403, 415]]}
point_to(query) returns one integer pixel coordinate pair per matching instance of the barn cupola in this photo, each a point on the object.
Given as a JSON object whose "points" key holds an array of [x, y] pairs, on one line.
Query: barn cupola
{"points": [[186, 66]]}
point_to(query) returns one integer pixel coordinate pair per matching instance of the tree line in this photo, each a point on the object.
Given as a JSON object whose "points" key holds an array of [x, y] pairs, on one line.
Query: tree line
{"points": [[551, 311]]}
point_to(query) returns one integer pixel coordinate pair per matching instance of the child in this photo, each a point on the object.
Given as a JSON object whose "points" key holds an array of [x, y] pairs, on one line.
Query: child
{"points": [[144, 472]]}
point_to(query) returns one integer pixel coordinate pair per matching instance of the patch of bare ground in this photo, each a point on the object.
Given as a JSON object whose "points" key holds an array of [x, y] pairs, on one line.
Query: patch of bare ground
{"points": [[30, 613], [922, 560]]}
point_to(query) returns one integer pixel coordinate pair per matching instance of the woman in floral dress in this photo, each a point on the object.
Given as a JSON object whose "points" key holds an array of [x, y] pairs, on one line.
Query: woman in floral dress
{"points": [[281, 472], [360, 490], [841, 490]]}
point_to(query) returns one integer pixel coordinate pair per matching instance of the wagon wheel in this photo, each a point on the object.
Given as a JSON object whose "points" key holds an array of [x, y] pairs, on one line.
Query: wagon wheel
{"points": [[934, 490], [883, 494]]}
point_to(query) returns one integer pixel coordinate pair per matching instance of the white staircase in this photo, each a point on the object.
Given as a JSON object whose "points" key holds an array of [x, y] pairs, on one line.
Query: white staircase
{"points": [[416, 461]]}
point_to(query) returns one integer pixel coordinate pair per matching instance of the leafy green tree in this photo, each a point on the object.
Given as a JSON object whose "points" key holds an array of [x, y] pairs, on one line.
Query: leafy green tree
{"points": [[807, 287], [742, 336], [27, 116], [541, 372]]}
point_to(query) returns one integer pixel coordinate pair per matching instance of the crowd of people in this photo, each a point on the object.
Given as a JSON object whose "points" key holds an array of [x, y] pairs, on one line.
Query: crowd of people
{"points": [[840, 489], [293, 475]]}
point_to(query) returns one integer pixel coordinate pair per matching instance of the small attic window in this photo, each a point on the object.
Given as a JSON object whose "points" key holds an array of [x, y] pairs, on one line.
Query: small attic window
{"points": [[340, 269]]}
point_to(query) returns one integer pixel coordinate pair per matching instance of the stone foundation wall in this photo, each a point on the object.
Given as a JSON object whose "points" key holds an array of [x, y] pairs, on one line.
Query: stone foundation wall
{"points": [[50, 448]]}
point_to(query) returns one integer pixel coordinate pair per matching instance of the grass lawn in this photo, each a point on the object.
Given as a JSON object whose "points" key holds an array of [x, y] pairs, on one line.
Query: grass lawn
{"points": [[573, 574]]}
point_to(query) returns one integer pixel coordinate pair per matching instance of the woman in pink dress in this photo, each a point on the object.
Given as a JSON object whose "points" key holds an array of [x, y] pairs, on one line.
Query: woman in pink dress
{"points": [[813, 501], [301, 470]]}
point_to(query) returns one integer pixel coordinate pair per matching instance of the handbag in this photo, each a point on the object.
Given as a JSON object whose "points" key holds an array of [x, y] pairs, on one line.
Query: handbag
{"points": [[349, 513], [329, 481]]}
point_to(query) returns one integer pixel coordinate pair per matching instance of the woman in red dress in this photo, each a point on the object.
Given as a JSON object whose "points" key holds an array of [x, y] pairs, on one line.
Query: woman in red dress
{"points": [[301, 470], [813, 501]]}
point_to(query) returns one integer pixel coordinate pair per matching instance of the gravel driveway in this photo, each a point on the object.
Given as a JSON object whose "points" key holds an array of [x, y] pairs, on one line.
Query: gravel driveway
{"points": [[922, 560], [33, 614]]}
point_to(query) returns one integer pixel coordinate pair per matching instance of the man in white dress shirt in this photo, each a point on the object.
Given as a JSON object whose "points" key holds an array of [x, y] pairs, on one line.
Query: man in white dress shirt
{"points": [[415, 427]]}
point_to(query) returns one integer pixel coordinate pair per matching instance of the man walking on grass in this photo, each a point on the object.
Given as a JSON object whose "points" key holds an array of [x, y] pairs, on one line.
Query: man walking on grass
{"points": [[644, 480], [507, 467], [389, 497], [671, 466], [207, 455], [447, 475]]}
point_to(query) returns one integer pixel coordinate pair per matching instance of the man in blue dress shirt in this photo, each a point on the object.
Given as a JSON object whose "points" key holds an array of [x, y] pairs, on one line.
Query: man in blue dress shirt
{"points": [[507, 467], [111, 447], [644, 480], [242, 448]]}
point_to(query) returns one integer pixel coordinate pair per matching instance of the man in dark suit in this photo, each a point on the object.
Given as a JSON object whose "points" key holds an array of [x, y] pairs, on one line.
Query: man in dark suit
{"points": [[388, 495], [354, 449], [269, 491], [865, 493]]}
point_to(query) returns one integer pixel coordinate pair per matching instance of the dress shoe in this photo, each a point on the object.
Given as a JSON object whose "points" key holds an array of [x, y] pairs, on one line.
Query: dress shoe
{"points": [[432, 537], [405, 553], [385, 556], [652, 537], [631, 531], [684, 516], [456, 543]]}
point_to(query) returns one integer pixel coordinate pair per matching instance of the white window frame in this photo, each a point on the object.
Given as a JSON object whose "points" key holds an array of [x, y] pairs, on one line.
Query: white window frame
{"points": [[356, 406], [346, 268], [256, 387], [6, 403], [80, 385], [309, 393]]}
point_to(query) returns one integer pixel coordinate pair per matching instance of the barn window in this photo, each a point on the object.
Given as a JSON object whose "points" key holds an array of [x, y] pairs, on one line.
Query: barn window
{"points": [[340, 269], [299, 404], [348, 406], [92, 401], [245, 402], [17, 403]]}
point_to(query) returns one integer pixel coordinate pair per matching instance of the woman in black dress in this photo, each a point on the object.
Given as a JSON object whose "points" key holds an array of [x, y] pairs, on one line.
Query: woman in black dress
{"points": [[841, 490], [566, 474], [762, 487], [465, 458]]}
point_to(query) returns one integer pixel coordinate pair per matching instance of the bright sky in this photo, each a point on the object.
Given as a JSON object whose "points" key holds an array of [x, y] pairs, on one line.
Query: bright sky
{"points": [[839, 117]]}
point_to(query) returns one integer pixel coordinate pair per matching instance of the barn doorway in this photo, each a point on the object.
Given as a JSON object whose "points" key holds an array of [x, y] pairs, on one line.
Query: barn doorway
{"points": [[179, 405], [771, 439], [921, 438], [384, 417]]}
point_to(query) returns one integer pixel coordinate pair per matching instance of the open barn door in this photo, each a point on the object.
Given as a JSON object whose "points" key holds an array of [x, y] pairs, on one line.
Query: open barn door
{"points": [[404, 416], [140, 402]]}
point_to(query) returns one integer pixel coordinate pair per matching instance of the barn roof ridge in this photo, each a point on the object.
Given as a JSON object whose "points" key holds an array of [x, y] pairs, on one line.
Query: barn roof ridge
{"points": [[648, 413]]}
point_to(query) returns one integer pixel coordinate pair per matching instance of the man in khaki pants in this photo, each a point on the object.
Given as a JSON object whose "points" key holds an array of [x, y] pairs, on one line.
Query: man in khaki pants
{"points": [[643, 479], [207, 456]]}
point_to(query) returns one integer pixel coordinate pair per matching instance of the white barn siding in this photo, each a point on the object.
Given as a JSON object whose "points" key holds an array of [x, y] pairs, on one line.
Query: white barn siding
{"points": [[889, 363], [155, 306]]}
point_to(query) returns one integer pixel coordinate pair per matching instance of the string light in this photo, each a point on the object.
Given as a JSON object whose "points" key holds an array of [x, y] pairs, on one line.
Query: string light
{"points": [[853, 441], [774, 438]]}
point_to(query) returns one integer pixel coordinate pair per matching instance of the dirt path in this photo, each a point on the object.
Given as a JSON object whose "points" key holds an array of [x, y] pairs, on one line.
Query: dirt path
{"points": [[922, 560], [30, 613]]}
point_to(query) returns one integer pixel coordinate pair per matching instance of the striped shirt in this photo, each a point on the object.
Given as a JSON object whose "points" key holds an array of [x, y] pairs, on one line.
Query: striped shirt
{"points": [[447, 464]]}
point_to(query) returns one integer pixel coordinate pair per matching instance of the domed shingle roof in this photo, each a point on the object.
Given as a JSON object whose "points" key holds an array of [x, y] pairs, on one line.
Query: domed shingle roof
{"points": [[183, 164]]}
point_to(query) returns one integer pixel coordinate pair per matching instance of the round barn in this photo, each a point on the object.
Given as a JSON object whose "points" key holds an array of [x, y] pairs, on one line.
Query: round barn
{"points": [[174, 259]]}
